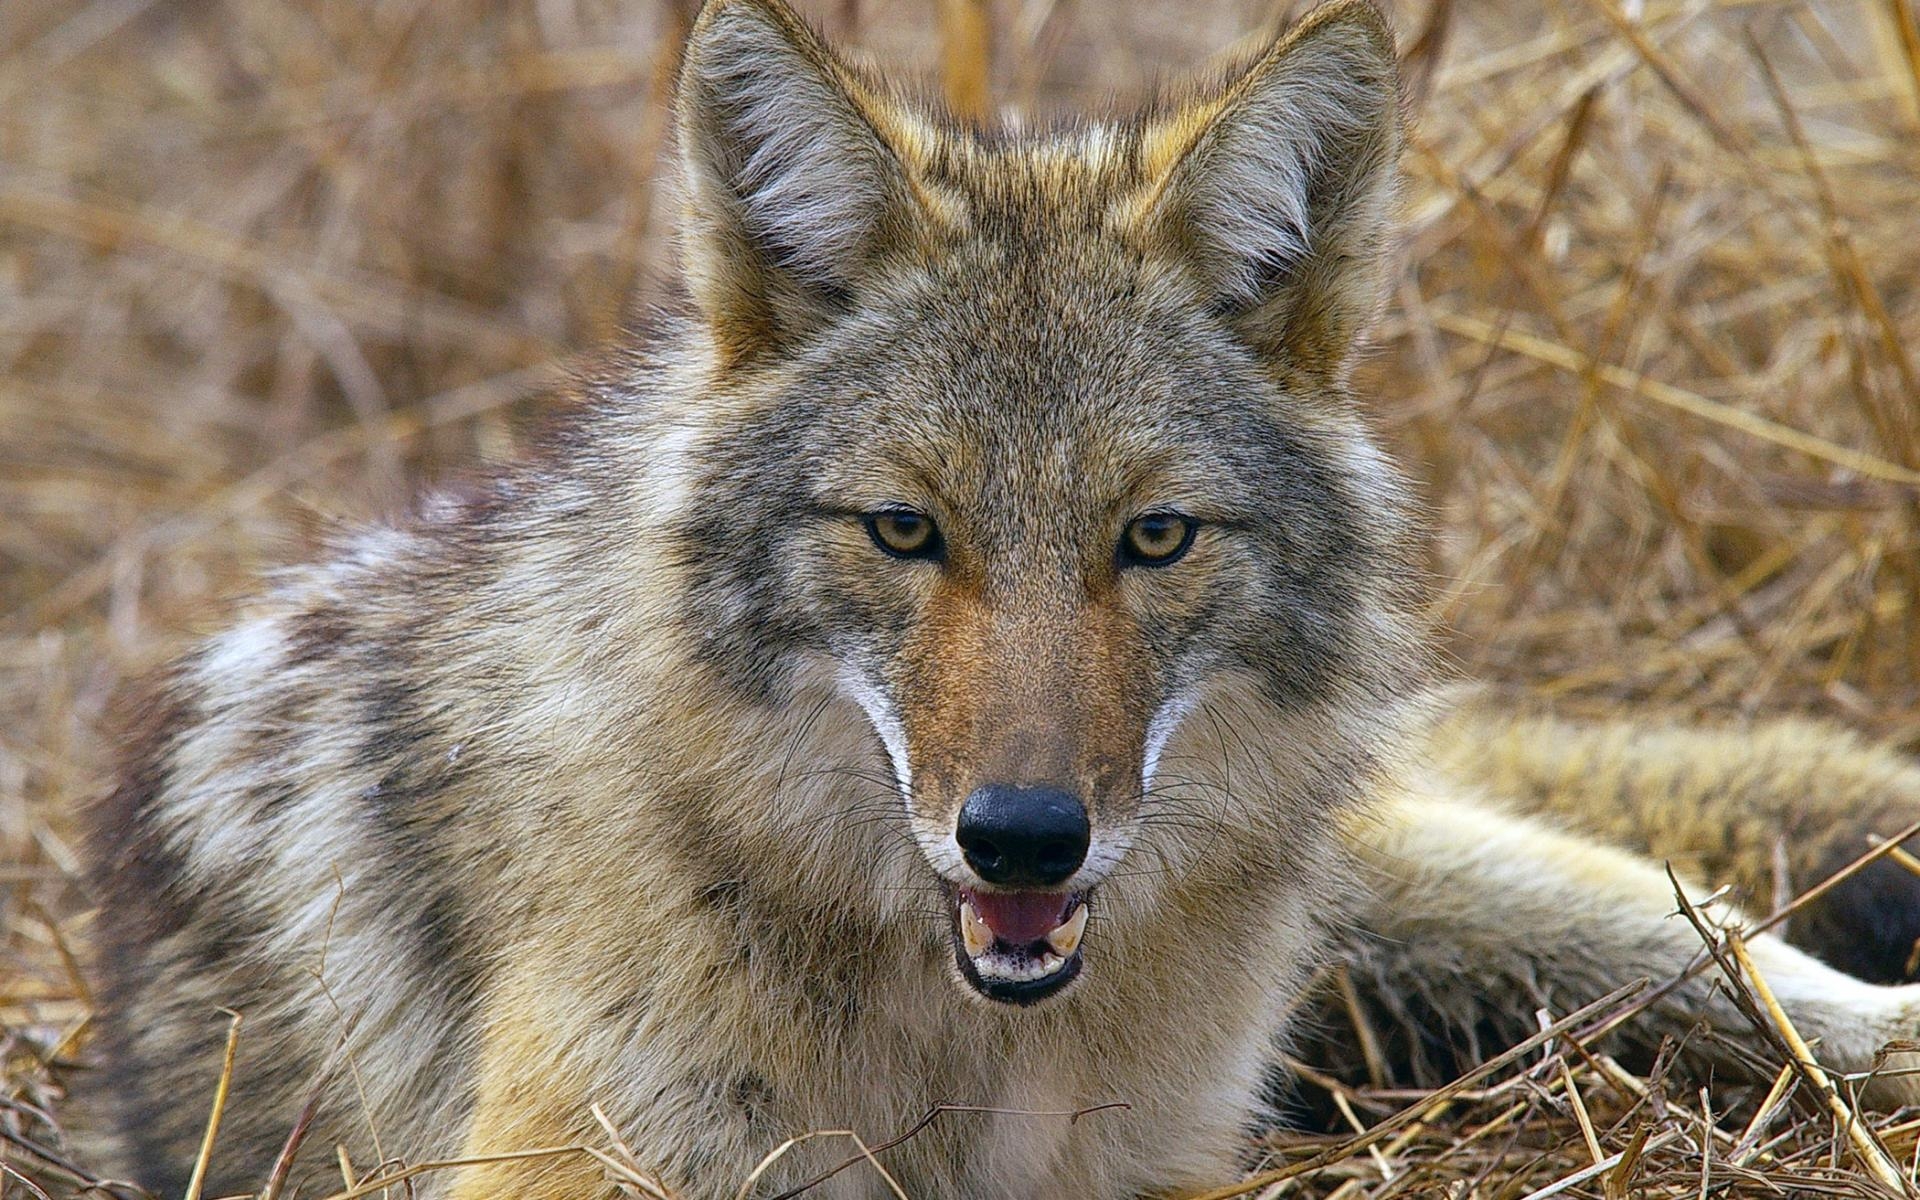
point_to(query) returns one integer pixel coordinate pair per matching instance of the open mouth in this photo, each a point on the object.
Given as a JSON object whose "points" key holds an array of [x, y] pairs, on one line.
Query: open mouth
{"points": [[1018, 947]]}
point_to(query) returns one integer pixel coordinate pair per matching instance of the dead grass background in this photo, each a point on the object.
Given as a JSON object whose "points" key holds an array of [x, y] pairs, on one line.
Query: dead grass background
{"points": [[1653, 345]]}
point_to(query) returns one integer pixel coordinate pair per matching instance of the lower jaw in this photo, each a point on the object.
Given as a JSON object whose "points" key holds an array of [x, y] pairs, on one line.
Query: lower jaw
{"points": [[1020, 991]]}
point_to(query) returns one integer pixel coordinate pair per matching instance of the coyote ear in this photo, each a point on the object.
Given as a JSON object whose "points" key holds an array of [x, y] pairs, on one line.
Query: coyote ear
{"points": [[1278, 189], [791, 192]]}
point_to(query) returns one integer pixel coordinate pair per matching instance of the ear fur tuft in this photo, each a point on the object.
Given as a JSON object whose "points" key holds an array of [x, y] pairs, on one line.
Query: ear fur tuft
{"points": [[791, 191], [1278, 189]]}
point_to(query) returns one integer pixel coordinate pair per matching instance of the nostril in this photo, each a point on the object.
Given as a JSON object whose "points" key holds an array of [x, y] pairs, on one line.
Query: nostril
{"points": [[984, 853]]}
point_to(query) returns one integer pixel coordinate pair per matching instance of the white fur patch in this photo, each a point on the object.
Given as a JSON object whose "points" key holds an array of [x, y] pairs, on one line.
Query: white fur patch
{"points": [[886, 723], [1105, 852], [242, 652], [669, 472], [939, 846], [1173, 711]]}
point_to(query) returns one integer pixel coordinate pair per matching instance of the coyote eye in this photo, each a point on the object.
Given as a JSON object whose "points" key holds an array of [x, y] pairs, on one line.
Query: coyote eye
{"points": [[904, 533], [1156, 540]]}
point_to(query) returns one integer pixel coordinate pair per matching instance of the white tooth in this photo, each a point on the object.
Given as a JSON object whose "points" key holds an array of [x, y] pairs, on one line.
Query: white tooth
{"points": [[1018, 970], [974, 931], [1066, 939]]}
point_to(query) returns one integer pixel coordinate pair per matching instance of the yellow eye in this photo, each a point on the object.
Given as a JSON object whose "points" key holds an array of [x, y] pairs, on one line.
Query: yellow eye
{"points": [[904, 533], [1156, 540]]}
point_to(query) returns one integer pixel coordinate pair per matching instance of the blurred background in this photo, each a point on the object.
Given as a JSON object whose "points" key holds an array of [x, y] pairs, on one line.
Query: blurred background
{"points": [[1652, 343]]}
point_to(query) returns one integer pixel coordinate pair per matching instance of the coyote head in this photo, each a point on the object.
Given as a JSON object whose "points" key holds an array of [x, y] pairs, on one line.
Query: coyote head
{"points": [[1039, 443]]}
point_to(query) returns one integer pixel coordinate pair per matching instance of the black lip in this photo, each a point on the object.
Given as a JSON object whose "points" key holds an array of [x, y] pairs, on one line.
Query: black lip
{"points": [[1019, 993]]}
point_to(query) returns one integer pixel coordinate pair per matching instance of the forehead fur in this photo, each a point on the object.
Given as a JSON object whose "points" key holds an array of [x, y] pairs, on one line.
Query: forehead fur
{"points": [[1115, 168]]}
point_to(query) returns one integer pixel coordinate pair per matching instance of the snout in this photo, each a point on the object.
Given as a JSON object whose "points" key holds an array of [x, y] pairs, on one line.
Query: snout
{"points": [[1017, 936]]}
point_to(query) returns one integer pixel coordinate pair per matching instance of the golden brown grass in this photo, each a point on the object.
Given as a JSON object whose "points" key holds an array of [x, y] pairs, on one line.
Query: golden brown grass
{"points": [[1652, 345]]}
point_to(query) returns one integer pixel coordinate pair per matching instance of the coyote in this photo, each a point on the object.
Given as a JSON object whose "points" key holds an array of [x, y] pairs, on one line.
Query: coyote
{"points": [[974, 656]]}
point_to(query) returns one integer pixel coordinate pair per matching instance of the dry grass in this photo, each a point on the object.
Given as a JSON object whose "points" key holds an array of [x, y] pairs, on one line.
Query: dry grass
{"points": [[1653, 344]]}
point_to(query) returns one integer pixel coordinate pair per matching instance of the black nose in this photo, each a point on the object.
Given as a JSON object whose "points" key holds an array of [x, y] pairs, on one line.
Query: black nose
{"points": [[1031, 836]]}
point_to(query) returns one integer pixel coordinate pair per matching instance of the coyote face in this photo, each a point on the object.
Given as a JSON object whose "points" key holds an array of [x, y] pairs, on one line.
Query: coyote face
{"points": [[1040, 449]]}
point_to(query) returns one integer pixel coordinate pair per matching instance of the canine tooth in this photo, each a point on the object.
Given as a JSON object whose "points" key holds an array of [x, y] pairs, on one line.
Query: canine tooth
{"points": [[974, 931], [1066, 939]]}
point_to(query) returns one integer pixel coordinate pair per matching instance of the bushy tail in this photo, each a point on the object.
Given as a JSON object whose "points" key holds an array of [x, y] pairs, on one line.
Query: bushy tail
{"points": [[1773, 809]]}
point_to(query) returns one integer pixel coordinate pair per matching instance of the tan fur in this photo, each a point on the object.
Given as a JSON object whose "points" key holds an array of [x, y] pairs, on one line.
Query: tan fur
{"points": [[1721, 804]]}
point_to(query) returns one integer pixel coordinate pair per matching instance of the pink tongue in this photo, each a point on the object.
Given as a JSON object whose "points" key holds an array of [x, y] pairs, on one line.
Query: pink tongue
{"points": [[1020, 918]]}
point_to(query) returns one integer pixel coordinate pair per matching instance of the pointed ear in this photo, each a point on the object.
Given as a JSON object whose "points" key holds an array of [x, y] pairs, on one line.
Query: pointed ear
{"points": [[791, 191], [1278, 190]]}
